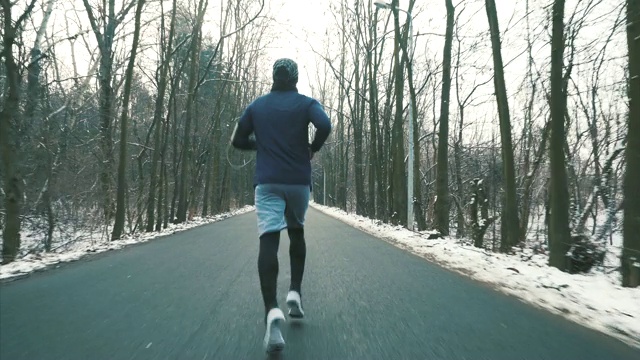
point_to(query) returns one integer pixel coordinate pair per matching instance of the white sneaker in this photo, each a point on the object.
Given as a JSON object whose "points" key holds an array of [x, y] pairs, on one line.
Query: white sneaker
{"points": [[295, 305], [273, 340]]}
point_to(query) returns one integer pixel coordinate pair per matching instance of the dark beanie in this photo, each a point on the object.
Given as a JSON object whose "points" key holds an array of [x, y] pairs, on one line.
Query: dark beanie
{"points": [[285, 71]]}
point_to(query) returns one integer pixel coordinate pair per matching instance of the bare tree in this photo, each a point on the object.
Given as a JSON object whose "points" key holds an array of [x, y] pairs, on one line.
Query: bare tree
{"points": [[194, 58], [104, 29], [10, 118], [118, 226], [479, 201], [559, 234], [166, 43], [34, 68], [398, 183], [442, 180], [510, 212], [463, 102], [630, 260], [407, 58], [375, 188], [188, 173], [34, 109], [530, 167], [342, 160]]}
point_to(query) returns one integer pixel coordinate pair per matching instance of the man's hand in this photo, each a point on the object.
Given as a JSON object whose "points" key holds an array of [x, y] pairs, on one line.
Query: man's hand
{"points": [[240, 139]]}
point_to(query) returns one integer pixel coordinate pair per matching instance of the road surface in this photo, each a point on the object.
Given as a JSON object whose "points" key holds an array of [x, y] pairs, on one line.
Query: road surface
{"points": [[195, 295]]}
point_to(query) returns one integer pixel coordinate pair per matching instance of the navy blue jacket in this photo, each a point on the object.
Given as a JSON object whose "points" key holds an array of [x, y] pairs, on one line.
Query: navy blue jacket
{"points": [[280, 121]]}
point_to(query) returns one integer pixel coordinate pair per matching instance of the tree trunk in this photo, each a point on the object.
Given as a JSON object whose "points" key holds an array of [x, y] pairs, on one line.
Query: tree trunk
{"points": [[385, 153], [118, 226], [398, 186], [215, 169], [529, 180], [416, 201], [177, 157], [358, 114], [162, 182], [9, 139], [374, 174], [457, 155], [181, 215], [418, 208], [457, 148], [34, 68], [559, 241], [164, 220], [630, 260], [341, 180], [105, 76], [510, 237], [207, 181], [480, 201], [51, 222], [157, 117], [441, 221], [358, 129], [530, 170], [33, 111]]}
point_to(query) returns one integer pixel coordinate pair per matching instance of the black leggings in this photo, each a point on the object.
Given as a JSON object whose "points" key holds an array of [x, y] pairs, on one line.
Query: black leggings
{"points": [[268, 264]]}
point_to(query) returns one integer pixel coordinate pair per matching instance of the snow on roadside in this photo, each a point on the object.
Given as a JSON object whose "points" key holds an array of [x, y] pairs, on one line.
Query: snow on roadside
{"points": [[35, 262], [595, 300]]}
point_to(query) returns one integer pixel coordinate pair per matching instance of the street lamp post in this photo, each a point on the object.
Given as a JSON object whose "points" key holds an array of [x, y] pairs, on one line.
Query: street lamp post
{"points": [[384, 5]]}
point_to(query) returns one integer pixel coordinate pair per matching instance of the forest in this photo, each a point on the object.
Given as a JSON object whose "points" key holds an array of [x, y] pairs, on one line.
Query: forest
{"points": [[509, 123]]}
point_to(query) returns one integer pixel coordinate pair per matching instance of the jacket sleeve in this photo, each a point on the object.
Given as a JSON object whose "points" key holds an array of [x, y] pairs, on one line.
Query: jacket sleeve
{"points": [[244, 128], [320, 120]]}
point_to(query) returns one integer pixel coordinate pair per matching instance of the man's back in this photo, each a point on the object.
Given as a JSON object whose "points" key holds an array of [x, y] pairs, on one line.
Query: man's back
{"points": [[280, 121]]}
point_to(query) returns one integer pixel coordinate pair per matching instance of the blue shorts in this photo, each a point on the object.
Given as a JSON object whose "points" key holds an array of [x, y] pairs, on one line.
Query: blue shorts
{"points": [[281, 206]]}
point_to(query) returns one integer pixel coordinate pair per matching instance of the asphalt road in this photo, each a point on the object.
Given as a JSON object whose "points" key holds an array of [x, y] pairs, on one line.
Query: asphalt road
{"points": [[195, 295]]}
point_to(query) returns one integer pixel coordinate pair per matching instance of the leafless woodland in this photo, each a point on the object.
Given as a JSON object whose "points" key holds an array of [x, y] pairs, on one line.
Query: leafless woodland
{"points": [[116, 117]]}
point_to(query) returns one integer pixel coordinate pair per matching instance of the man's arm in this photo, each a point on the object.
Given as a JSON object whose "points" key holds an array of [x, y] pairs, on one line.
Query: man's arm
{"points": [[320, 120], [240, 137]]}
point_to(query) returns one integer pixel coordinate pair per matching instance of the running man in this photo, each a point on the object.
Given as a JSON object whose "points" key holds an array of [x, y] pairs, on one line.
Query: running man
{"points": [[282, 184]]}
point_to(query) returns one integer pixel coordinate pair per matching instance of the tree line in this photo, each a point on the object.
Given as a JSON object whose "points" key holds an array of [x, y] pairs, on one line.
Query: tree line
{"points": [[137, 140], [525, 132]]}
